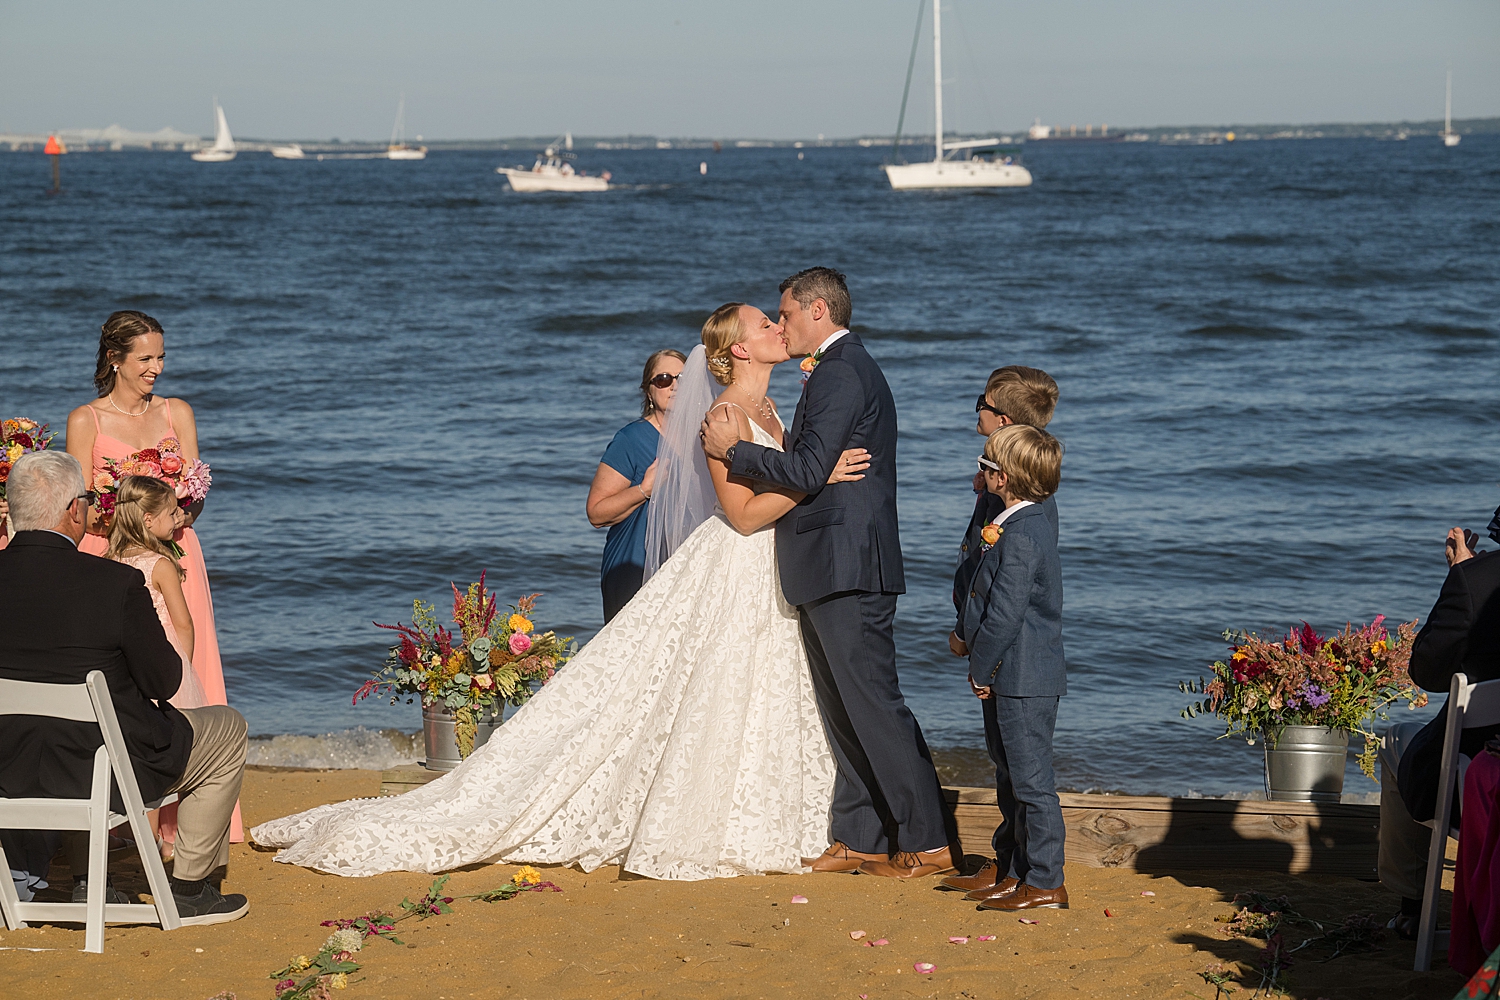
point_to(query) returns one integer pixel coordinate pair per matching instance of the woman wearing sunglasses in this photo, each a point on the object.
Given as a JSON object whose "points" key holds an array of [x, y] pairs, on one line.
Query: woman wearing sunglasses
{"points": [[624, 480]]}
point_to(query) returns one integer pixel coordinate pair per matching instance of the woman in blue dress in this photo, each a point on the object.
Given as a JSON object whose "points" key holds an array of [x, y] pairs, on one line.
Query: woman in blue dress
{"points": [[623, 482]]}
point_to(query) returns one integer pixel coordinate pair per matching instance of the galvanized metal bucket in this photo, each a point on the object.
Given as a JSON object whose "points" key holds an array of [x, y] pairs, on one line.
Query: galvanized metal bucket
{"points": [[440, 729], [1306, 764]]}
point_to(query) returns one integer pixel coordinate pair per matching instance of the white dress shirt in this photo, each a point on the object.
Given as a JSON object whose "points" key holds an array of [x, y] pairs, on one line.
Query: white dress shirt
{"points": [[830, 341]]}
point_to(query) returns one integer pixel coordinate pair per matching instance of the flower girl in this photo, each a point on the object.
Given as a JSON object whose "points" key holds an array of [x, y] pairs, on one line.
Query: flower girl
{"points": [[146, 515]]}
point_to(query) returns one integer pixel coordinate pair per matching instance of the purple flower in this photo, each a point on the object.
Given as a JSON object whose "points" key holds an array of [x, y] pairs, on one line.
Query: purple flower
{"points": [[1315, 696]]}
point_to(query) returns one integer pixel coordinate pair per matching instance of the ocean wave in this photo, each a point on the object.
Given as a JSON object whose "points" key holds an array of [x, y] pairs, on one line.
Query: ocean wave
{"points": [[357, 748]]}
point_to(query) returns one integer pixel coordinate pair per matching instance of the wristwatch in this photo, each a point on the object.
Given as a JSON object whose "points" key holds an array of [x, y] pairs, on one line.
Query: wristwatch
{"points": [[729, 454]]}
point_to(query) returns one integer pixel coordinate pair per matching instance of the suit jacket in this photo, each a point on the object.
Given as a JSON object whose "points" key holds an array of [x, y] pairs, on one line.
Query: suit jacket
{"points": [[987, 507], [71, 613], [1012, 616], [1462, 633], [844, 536]]}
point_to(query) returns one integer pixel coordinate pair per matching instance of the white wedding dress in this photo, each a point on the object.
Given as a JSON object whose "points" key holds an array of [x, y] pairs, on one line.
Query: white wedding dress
{"points": [[683, 742]]}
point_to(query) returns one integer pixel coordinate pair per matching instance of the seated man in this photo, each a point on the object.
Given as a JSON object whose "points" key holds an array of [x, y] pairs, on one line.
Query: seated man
{"points": [[84, 613], [1462, 634]]}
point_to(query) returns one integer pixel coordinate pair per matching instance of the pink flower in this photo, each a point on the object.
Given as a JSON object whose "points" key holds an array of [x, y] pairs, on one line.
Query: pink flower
{"points": [[484, 682], [171, 463], [520, 643], [925, 968]]}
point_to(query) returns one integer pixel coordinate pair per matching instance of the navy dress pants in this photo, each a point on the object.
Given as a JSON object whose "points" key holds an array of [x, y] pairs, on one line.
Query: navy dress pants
{"points": [[1030, 838], [885, 779]]}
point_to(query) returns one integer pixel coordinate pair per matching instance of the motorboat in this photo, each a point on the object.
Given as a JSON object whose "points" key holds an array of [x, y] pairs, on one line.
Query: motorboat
{"points": [[222, 151], [399, 148], [959, 164], [553, 171], [291, 151], [1450, 137]]}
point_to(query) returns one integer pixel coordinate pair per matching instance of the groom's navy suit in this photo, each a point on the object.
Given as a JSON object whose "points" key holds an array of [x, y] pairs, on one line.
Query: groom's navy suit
{"points": [[839, 555]]}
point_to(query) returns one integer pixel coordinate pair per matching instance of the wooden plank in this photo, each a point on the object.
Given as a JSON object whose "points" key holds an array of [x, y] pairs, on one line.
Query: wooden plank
{"points": [[399, 780], [1149, 833]]}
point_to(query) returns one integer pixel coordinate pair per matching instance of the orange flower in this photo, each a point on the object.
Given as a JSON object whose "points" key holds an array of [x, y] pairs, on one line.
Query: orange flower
{"points": [[991, 533]]}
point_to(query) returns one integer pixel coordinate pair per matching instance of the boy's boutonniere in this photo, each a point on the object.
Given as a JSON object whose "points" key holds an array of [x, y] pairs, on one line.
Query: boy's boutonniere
{"points": [[990, 534], [809, 363]]}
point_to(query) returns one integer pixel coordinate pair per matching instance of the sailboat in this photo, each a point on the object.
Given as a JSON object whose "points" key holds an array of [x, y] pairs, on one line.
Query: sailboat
{"points": [[1450, 137], [222, 151], [398, 149], [954, 164], [553, 171]]}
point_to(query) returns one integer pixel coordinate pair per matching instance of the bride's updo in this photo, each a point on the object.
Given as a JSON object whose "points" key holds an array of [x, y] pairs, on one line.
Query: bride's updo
{"points": [[721, 332]]}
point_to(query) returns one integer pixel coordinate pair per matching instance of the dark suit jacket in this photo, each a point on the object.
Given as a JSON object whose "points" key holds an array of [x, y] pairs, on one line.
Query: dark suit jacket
{"points": [[1461, 634], [987, 507], [1012, 615], [70, 613], [841, 537]]}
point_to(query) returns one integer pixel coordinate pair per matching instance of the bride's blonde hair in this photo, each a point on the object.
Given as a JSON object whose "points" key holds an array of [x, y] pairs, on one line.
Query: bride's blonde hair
{"points": [[722, 331], [139, 496]]}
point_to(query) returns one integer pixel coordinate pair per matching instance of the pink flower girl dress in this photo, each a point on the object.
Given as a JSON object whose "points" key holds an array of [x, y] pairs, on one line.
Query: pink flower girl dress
{"points": [[191, 693]]}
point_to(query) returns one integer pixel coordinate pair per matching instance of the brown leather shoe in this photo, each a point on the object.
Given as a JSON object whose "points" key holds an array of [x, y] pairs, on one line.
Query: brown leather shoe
{"points": [[840, 858], [912, 864], [1029, 897], [985, 878], [1004, 887]]}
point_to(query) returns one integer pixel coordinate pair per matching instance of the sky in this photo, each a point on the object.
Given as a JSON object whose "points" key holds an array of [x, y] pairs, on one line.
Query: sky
{"points": [[779, 69]]}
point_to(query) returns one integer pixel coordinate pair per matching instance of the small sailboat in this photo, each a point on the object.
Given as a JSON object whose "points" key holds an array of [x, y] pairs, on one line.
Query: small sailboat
{"points": [[955, 164], [222, 150], [291, 151], [398, 149], [553, 171], [1450, 137]]}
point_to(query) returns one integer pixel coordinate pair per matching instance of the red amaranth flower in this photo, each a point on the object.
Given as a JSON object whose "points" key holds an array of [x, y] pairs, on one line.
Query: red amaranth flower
{"points": [[1311, 641]]}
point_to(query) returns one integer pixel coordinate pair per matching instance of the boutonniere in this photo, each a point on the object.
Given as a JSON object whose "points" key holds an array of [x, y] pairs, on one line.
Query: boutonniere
{"points": [[809, 363], [990, 534]]}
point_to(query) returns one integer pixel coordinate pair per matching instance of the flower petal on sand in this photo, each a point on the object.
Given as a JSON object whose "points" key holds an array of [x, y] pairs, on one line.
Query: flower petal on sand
{"points": [[1025, 921], [1148, 892], [856, 935], [799, 899], [925, 968], [986, 937], [1107, 913], [958, 940], [879, 943]]}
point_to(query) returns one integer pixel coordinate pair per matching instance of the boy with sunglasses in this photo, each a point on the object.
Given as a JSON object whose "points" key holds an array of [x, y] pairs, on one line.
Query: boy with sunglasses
{"points": [[1014, 394]]}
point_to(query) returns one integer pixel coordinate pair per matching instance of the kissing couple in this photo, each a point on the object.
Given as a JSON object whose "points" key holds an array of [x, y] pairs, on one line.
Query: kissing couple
{"points": [[742, 714]]}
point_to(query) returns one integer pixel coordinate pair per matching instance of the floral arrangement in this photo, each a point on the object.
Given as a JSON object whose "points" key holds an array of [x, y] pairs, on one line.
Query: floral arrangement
{"points": [[18, 436], [315, 978], [189, 478], [493, 661], [1340, 682]]}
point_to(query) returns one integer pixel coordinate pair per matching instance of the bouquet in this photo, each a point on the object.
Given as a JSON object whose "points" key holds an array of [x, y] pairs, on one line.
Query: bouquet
{"points": [[493, 661], [1339, 682], [189, 478], [18, 436]]}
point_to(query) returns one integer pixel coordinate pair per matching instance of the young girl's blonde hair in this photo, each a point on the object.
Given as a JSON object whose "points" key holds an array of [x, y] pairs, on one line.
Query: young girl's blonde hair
{"points": [[139, 496]]}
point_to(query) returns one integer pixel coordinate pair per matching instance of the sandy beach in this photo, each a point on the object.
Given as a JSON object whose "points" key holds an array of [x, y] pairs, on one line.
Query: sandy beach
{"points": [[608, 936]]}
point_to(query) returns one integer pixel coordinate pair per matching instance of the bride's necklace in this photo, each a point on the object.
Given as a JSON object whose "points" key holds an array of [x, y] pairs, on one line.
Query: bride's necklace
{"points": [[762, 405], [127, 412]]}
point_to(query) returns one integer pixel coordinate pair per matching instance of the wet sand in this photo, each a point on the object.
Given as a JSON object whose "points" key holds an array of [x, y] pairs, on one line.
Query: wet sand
{"points": [[608, 936]]}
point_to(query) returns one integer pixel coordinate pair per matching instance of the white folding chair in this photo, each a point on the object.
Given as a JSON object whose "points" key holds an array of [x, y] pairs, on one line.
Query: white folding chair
{"points": [[86, 702], [1470, 706]]}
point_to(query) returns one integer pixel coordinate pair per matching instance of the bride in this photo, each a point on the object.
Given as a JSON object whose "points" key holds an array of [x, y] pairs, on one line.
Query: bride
{"points": [[683, 742]]}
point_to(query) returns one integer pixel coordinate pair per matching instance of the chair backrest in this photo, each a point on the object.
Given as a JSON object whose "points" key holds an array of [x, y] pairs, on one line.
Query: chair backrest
{"points": [[1480, 703], [55, 701]]}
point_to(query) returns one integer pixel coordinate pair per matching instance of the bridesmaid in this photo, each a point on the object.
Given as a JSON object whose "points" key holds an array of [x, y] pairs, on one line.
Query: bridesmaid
{"points": [[126, 417]]}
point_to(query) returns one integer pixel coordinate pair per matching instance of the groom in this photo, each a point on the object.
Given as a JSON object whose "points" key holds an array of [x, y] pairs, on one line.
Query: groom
{"points": [[839, 554]]}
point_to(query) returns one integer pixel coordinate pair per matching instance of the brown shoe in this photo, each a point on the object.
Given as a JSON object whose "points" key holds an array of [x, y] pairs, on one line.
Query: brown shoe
{"points": [[840, 858], [985, 878], [1004, 887], [912, 864], [1029, 897]]}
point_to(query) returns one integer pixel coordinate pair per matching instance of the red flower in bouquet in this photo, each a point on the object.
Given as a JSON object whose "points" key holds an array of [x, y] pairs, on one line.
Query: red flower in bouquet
{"points": [[18, 436]]}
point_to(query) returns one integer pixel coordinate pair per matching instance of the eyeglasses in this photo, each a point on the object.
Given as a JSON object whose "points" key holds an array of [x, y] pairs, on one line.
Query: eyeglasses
{"points": [[663, 380], [983, 404], [89, 499], [985, 463]]}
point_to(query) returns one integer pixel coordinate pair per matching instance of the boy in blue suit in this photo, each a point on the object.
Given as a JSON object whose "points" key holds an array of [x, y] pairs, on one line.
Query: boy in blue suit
{"points": [[1010, 629]]}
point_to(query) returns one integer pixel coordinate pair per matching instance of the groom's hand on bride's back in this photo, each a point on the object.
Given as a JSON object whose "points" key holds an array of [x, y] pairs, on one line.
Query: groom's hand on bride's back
{"points": [[850, 466]]}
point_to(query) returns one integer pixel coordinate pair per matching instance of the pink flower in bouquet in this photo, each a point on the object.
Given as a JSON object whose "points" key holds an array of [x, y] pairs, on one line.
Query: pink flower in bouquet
{"points": [[520, 643], [195, 481], [484, 682], [171, 463]]}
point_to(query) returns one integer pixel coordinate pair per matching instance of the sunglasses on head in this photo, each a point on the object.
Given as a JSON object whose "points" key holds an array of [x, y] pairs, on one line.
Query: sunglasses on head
{"points": [[662, 380], [983, 404]]}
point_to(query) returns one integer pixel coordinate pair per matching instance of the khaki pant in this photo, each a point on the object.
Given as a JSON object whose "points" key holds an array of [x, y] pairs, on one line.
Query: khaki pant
{"points": [[1403, 841], [207, 791]]}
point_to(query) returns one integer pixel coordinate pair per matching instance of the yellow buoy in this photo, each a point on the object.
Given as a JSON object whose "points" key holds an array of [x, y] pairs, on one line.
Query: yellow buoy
{"points": [[1228, 136]]}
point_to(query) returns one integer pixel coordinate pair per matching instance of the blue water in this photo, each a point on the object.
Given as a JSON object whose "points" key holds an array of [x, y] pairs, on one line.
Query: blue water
{"points": [[1277, 363]]}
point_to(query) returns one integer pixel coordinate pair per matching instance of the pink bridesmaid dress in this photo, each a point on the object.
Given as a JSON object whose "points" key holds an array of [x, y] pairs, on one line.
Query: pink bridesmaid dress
{"points": [[200, 602]]}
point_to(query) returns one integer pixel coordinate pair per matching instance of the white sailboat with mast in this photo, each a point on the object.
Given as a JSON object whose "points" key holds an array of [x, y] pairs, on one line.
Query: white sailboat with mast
{"points": [[222, 150], [398, 148], [1450, 137], [954, 164]]}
